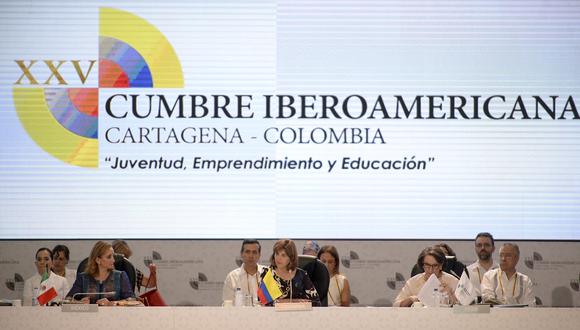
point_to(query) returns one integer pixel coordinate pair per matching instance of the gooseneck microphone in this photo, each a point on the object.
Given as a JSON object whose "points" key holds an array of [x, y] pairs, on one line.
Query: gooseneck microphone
{"points": [[111, 293]]}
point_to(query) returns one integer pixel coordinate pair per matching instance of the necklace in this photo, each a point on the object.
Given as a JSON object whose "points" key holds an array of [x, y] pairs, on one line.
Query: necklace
{"points": [[255, 276], [285, 285], [501, 284], [339, 292]]}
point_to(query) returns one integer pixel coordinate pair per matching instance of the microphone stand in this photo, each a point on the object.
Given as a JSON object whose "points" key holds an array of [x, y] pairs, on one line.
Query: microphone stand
{"points": [[111, 293]]}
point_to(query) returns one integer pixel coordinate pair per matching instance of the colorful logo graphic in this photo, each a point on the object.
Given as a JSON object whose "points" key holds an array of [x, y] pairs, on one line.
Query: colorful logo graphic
{"points": [[64, 121]]}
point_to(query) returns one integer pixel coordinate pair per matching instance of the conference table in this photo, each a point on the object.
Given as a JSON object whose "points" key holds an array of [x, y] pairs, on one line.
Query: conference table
{"points": [[166, 318]]}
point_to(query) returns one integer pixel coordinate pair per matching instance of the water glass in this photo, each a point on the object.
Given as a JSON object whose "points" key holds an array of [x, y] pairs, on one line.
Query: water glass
{"points": [[248, 301]]}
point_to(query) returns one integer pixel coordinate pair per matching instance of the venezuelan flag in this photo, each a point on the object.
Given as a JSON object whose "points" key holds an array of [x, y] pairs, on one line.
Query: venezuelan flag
{"points": [[268, 290]]}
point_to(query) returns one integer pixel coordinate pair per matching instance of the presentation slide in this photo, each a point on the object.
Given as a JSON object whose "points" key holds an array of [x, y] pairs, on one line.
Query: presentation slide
{"points": [[327, 119]]}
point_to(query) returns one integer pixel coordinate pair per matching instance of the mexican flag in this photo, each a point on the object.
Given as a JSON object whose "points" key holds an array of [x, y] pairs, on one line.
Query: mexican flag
{"points": [[46, 293]]}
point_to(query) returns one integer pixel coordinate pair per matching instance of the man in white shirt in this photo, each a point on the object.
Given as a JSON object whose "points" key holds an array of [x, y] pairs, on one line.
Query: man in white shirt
{"points": [[33, 286], [484, 248], [505, 285], [247, 277]]}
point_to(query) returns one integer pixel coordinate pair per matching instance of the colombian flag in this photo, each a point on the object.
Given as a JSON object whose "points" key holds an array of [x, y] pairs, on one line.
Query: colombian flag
{"points": [[268, 290]]}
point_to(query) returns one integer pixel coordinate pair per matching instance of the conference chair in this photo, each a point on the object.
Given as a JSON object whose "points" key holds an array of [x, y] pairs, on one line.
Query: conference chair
{"points": [[452, 266], [121, 263], [318, 275]]}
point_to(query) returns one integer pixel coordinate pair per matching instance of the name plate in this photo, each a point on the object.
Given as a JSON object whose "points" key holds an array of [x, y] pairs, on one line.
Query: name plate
{"points": [[294, 306], [80, 308], [471, 309]]}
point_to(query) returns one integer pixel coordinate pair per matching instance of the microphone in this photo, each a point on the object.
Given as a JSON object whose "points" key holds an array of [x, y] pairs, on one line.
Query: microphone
{"points": [[111, 293], [47, 270]]}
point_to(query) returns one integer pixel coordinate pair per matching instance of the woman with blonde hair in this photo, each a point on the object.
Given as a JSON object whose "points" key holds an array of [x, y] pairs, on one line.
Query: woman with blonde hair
{"points": [[104, 284]]}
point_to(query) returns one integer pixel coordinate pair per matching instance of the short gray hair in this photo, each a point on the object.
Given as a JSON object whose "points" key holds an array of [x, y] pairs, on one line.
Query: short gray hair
{"points": [[515, 246]]}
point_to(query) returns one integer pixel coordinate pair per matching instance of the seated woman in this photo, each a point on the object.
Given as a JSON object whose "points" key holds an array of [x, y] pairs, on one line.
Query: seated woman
{"points": [[339, 288], [100, 276], [452, 265], [43, 281], [292, 281], [432, 261]]}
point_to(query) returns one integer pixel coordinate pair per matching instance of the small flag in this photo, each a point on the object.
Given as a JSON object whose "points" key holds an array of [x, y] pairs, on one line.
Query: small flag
{"points": [[465, 291], [268, 290], [47, 296], [45, 276]]}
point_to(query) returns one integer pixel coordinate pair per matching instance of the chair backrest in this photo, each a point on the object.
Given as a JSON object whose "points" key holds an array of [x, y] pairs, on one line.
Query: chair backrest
{"points": [[121, 263], [318, 275], [81, 267], [452, 266]]}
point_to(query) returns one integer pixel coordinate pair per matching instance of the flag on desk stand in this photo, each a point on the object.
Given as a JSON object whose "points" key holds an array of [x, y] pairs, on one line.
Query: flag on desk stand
{"points": [[268, 290], [46, 293], [465, 291]]}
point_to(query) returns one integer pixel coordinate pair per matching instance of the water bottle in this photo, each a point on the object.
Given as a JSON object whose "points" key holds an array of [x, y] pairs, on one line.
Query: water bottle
{"points": [[239, 298], [444, 299], [436, 297], [34, 295]]}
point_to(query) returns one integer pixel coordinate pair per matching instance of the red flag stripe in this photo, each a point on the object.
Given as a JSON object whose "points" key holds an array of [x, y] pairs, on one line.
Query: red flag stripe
{"points": [[47, 296]]}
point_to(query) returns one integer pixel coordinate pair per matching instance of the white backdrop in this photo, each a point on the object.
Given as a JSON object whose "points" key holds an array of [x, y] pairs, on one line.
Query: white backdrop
{"points": [[191, 272]]}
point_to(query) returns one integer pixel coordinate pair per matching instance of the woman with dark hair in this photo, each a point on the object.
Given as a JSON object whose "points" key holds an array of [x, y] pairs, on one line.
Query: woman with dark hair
{"points": [[339, 288], [60, 258], [121, 247], [43, 280], [100, 276], [452, 265], [293, 282], [432, 260]]}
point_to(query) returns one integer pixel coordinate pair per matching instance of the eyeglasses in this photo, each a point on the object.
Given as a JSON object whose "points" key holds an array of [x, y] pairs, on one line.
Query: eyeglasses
{"points": [[432, 267]]}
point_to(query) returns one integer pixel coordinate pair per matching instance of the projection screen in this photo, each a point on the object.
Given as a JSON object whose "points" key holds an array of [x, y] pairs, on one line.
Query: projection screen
{"points": [[302, 119]]}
